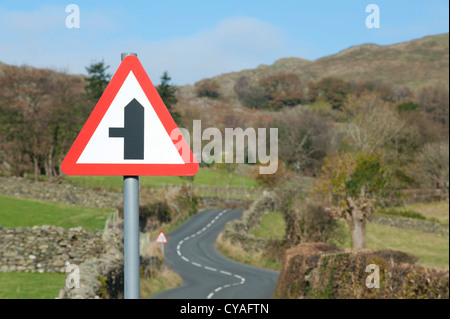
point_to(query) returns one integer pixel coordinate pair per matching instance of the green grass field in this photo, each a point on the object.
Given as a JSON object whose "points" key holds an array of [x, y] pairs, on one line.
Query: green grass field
{"points": [[203, 177], [272, 226], [19, 212], [438, 211], [21, 285], [432, 250], [435, 212]]}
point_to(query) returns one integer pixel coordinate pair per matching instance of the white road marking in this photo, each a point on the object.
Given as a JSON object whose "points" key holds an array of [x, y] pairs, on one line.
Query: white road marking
{"points": [[242, 279]]}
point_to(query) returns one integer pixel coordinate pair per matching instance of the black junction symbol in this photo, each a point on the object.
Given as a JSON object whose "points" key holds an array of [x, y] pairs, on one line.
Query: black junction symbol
{"points": [[132, 132]]}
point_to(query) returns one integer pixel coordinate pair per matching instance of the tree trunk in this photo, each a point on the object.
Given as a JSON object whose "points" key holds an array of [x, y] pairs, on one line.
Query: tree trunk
{"points": [[50, 167], [358, 229], [36, 168]]}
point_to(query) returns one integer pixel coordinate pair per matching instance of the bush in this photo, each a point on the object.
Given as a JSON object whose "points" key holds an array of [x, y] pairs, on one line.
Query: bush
{"points": [[407, 106], [272, 180], [403, 213], [282, 90], [332, 90], [434, 100], [305, 138], [314, 270], [208, 88], [251, 96], [317, 225], [151, 214]]}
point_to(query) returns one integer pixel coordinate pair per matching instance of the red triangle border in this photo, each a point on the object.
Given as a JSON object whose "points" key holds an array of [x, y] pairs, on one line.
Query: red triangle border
{"points": [[70, 166]]}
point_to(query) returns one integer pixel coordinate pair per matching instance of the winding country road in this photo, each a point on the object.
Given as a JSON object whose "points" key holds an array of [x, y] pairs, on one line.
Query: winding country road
{"points": [[206, 273]]}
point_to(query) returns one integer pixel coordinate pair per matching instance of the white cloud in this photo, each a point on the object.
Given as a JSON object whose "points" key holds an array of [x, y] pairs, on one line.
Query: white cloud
{"points": [[232, 45], [41, 39]]}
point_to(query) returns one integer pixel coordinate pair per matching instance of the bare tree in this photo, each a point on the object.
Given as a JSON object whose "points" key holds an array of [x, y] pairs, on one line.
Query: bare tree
{"points": [[305, 138], [373, 122], [38, 115], [434, 100], [433, 160]]}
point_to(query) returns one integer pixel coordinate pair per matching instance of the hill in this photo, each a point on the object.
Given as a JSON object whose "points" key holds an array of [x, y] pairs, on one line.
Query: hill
{"points": [[415, 64]]}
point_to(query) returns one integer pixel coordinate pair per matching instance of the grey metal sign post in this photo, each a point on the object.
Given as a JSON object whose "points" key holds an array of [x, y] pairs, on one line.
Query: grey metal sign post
{"points": [[131, 231], [98, 148]]}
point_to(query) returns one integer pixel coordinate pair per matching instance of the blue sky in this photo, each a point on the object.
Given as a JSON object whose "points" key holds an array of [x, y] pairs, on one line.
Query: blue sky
{"points": [[199, 39]]}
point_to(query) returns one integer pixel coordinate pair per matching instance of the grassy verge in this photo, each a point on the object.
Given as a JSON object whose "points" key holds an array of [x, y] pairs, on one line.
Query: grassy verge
{"points": [[20, 285], [18, 212], [272, 227], [166, 279], [236, 253], [30, 285]]}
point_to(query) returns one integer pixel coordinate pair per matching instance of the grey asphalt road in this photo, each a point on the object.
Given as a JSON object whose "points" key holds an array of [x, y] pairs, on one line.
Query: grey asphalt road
{"points": [[206, 273]]}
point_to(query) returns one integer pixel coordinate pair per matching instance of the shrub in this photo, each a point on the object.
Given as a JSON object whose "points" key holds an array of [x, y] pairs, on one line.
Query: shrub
{"points": [[332, 90], [208, 88], [310, 271], [251, 96], [403, 213], [316, 224], [282, 90], [407, 106]]}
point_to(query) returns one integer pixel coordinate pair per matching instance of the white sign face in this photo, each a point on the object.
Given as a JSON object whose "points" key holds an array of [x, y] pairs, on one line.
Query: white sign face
{"points": [[158, 147], [161, 239], [130, 132]]}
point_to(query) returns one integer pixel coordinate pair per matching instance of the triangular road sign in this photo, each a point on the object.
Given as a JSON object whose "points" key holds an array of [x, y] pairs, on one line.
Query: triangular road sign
{"points": [[161, 238], [130, 132]]}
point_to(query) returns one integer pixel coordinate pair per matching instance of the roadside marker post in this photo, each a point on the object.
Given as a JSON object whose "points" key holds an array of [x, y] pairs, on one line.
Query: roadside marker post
{"points": [[130, 133], [162, 239]]}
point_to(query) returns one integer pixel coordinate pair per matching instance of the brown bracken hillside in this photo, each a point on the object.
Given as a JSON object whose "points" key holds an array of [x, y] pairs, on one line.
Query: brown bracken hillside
{"points": [[415, 64]]}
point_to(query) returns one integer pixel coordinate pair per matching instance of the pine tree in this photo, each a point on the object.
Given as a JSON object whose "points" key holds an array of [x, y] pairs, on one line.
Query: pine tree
{"points": [[98, 80], [167, 91]]}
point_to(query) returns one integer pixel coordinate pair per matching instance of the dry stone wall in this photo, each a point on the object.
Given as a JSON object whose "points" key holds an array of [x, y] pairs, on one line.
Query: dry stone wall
{"points": [[101, 277], [412, 224], [240, 231], [24, 188], [46, 248]]}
